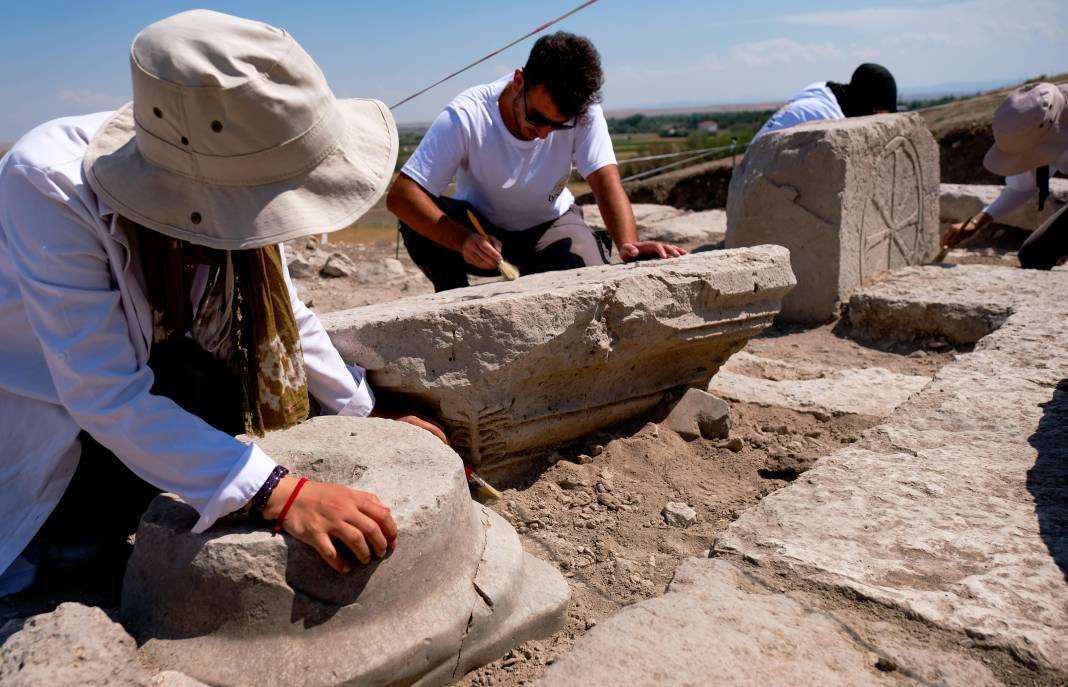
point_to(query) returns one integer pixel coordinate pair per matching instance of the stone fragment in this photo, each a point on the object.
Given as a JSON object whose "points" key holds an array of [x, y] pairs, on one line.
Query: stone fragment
{"points": [[379, 271], [962, 303], [958, 202], [73, 646], [734, 444], [865, 391], [699, 414], [850, 198], [568, 475], [714, 627], [514, 368], [457, 592], [665, 223], [679, 514], [338, 265], [954, 510], [645, 215], [301, 268]]}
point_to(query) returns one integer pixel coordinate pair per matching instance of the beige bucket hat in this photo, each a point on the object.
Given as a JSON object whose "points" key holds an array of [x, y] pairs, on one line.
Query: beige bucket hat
{"points": [[1030, 129], [234, 140]]}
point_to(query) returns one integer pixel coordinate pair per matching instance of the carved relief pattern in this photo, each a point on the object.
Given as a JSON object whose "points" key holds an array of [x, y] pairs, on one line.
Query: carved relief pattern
{"points": [[891, 232]]}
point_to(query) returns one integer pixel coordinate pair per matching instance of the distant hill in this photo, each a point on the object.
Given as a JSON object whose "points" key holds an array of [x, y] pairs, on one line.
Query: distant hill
{"points": [[962, 129], [4, 147]]}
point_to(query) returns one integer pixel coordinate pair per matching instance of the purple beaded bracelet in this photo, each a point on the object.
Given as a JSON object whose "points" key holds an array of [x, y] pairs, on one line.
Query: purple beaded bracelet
{"points": [[259, 501]]}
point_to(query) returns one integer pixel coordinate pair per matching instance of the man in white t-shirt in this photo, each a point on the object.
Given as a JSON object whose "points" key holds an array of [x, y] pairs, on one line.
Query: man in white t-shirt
{"points": [[510, 145], [871, 90]]}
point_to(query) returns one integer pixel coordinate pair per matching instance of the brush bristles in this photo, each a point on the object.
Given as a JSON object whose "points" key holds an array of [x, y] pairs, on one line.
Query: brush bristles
{"points": [[508, 270]]}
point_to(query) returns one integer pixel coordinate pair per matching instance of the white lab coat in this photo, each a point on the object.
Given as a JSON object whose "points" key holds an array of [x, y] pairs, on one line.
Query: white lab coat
{"points": [[76, 328]]}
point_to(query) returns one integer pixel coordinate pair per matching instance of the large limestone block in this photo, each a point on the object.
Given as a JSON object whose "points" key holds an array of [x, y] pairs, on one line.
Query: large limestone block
{"points": [[850, 198], [239, 605], [955, 510], [73, 646], [514, 367], [714, 626], [962, 303]]}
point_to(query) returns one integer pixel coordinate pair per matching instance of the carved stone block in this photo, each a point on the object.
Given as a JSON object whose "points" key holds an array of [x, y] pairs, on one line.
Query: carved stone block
{"points": [[850, 198], [239, 605], [512, 368]]}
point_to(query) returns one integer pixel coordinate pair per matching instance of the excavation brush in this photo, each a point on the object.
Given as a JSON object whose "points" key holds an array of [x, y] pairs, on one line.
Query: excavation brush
{"points": [[507, 269]]}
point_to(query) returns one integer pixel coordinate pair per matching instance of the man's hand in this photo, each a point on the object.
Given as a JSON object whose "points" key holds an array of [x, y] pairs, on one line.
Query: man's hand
{"points": [[479, 252], [637, 249], [430, 426], [412, 419], [325, 512]]}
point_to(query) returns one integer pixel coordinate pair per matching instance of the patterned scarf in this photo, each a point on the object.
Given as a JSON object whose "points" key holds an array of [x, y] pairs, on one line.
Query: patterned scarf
{"points": [[245, 319]]}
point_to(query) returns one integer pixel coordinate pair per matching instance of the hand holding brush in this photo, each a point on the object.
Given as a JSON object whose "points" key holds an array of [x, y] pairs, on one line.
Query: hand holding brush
{"points": [[507, 269]]}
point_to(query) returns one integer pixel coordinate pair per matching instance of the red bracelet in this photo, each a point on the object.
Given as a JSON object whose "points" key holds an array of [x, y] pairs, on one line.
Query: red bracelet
{"points": [[289, 502]]}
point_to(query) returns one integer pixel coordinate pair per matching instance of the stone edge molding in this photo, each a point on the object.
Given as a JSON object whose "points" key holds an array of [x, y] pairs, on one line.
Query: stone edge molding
{"points": [[458, 592], [514, 368]]}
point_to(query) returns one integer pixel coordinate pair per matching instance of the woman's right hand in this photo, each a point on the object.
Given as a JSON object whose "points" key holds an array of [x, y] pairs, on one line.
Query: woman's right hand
{"points": [[324, 513], [962, 230]]}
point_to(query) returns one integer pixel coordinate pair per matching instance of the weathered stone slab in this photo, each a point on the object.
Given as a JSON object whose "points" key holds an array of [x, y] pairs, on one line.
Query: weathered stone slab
{"points": [[850, 198], [715, 627], [958, 202], [457, 592], [73, 646], [665, 223], [514, 367], [956, 508], [862, 391], [962, 303]]}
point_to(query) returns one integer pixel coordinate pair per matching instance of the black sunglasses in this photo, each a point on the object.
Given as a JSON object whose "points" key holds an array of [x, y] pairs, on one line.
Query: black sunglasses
{"points": [[539, 120]]}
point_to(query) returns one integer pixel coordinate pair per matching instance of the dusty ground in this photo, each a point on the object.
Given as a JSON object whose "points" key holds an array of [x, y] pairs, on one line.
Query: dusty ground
{"points": [[595, 508]]}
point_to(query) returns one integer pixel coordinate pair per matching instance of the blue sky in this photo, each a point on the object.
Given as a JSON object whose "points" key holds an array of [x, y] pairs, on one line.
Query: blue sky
{"points": [[62, 58]]}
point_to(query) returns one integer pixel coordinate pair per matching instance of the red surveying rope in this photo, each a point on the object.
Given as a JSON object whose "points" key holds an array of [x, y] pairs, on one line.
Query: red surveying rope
{"points": [[496, 52]]}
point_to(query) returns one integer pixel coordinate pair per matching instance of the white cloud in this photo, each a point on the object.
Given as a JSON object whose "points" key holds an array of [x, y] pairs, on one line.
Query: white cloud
{"points": [[964, 24], [85, 97], [779, 51], [923, 44]]}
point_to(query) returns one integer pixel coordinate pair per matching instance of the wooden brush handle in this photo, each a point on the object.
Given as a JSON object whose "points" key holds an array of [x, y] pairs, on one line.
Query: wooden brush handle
{"points": [[478, 227]]}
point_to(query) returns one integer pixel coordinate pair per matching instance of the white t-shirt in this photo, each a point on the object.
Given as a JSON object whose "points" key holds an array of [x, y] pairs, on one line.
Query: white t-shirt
{"points": [[1020, 188], [515, 184], [813, 104]]}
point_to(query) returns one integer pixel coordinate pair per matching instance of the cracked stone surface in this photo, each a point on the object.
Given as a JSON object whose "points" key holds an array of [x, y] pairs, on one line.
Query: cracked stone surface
{"points": [[850, 198], [954, 510], [457, 592], [716, 626], [72, 646], [958, 202], [863, 391], [513, 368]]}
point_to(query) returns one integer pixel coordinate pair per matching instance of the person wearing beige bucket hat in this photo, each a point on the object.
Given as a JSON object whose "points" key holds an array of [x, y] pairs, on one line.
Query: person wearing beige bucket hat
{"points": [[148, 315], [1030, 144]]}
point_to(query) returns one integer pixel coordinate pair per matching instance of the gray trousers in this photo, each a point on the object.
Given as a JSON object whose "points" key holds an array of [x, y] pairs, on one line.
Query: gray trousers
{"points": [[562, 244]]}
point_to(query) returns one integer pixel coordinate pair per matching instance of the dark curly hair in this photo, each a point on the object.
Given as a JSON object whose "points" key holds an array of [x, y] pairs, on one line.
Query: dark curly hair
{"points": [[570, 68]]}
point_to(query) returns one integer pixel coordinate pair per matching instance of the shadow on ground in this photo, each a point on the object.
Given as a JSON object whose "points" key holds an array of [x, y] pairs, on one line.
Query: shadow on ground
{"points": [[1048, 479]]}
